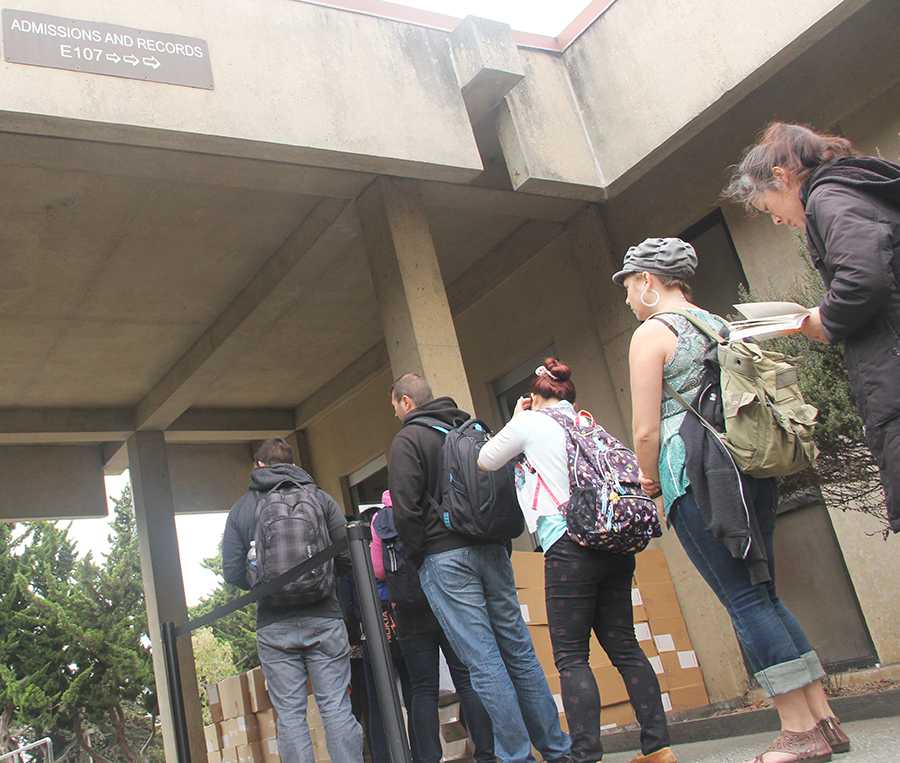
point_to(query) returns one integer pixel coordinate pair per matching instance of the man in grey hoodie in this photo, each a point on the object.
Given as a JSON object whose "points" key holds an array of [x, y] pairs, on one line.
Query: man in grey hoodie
{"points": [[297, 642]]}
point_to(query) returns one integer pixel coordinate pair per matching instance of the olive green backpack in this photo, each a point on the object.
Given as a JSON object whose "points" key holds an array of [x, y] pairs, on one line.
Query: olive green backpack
{"points": [[768, 426]]}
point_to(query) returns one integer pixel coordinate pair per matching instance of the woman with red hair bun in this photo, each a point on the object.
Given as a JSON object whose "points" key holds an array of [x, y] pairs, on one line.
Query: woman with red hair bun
{"points": [[587, 589]]}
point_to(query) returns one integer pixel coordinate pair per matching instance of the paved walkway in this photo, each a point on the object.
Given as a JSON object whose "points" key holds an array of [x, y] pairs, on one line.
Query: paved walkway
{"points": [[876, 741]]}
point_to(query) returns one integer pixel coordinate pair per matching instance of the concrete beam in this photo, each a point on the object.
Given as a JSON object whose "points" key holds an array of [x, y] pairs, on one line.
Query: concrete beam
{"points": [[525, 242], [228, 425], [469, 198], [51, 482], [487, 64], [342, 386], [253, 309], [34, 426], [177, 166]]}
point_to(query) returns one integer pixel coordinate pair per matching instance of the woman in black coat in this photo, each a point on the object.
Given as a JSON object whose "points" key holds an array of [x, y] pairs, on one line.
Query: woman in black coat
{"points": [[849, 206]]}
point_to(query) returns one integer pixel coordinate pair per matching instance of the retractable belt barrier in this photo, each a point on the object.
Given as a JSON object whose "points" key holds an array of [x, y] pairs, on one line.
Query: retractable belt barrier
{"points": [[358, 537]]}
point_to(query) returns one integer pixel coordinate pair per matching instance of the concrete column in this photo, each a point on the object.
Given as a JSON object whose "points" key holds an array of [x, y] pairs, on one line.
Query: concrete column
{"points": [[154, 508], [418, 326]]}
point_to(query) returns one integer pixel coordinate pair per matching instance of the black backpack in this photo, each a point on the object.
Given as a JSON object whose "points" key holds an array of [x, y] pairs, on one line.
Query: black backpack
{"points": [[400, 575], [470, 501], [290, 528]]}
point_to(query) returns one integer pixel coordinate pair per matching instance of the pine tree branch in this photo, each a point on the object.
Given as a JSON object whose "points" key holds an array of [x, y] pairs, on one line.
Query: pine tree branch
{"points": [[84, 743], [118, 721]]}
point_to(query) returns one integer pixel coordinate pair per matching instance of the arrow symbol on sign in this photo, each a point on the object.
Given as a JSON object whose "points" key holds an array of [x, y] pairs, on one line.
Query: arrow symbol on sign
{"points": [[153, 63], [133, 60], [114, 57]]}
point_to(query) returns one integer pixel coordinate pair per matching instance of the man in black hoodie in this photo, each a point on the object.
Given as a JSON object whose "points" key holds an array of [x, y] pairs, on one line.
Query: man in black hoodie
{"points": [[469, 585], [297, 642]]}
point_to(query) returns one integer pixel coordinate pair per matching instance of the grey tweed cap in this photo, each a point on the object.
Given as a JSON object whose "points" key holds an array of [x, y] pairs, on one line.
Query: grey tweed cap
{"points": [[662, 256]]}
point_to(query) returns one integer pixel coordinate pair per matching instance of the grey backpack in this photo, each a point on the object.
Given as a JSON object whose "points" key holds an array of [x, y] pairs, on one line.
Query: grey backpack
{"points": [[290, 528]]}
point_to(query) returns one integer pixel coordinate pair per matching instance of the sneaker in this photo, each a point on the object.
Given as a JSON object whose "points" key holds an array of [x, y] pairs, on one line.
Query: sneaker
{"points": [[665, 755], [834, 734]]}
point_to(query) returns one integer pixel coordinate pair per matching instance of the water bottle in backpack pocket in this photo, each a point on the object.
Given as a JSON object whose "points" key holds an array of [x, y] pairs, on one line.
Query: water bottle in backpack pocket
{"points": [[607, 509], [470, 501], [290, 528], [400, 574]]}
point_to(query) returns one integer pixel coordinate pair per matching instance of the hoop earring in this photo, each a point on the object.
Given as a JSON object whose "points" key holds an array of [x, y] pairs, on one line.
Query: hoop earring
{"points": [[650, 304]]}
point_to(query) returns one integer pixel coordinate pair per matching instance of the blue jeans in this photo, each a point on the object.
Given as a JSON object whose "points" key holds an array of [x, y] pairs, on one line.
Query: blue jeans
{"points": [[472, 593], [777, 649], [317, 647]]}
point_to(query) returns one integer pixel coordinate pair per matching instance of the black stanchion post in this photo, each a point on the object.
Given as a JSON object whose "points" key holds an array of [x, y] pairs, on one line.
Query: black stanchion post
{"points": [[173, 676], [379, 656]]}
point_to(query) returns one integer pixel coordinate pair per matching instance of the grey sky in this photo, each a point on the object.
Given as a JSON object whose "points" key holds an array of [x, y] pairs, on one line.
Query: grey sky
{"points": [[540, 16]]}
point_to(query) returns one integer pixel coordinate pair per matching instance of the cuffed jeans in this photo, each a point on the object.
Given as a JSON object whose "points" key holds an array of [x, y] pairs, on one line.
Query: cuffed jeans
{"points": [[316, 647], [472, 593], [420, 653], [591, 590], [777, 649]]}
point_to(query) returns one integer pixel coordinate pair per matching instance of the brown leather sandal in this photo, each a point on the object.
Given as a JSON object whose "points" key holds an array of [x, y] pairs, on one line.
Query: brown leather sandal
{"points": [[809, 746], [835, 735], [665, 755]]}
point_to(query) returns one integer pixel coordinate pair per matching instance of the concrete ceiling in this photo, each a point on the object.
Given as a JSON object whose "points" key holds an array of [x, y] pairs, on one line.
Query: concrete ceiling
{"points": [[119, 263]]}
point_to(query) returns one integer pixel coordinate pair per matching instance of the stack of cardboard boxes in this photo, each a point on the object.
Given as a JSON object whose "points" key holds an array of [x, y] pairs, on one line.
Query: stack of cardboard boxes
{"points": [[243, 728], [659, 627]]}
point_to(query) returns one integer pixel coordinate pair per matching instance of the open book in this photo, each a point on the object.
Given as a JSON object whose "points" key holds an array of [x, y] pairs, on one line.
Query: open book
{"points": [[765, 320]]}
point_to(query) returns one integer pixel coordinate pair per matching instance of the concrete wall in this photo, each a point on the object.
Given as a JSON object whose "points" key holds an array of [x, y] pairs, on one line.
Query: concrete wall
{"points": [[51, 482], [208, 478], [648, 69], [299, 81], [352, 434]]}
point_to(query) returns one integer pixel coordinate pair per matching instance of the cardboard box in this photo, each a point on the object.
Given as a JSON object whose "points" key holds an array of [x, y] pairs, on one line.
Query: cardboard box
{"points": [[256, 686], [670, 635], [660, 600], [237, 732], [460, 750], [268, 723], [681, 669], [534, 605], [651, 567], [229, 755], [213, 735], [543, 648], [215, 704], [270, 751], [528, 568], [313, 716], [689, 697], [609, 684], [250, 753], [234, 695], [214, 756], [620, 714]]}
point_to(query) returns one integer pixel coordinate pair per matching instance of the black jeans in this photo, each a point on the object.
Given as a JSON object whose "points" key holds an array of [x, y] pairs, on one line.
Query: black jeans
{"points": [[420, 652], [591, 590]]}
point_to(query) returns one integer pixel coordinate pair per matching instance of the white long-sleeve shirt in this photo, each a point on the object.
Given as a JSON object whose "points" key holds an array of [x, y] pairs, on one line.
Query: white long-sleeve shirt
{"points": [[546, 485]]}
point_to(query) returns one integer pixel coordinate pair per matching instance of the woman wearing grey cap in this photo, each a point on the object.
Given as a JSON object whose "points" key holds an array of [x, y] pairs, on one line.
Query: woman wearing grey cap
{"points": [[670, 349]]}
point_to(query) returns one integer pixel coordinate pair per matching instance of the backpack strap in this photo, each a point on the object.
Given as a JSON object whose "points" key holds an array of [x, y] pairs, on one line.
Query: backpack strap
{"points": [[698, 323], [434, 423]]}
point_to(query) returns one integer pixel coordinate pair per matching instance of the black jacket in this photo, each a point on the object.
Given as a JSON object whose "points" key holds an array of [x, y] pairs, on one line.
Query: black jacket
{"points": [[853, 228], [727, 499], [414, 468], [240, 529]]}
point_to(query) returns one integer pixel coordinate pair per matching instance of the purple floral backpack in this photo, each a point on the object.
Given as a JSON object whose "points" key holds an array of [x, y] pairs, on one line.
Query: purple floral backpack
{"points": [[607, 509]]}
